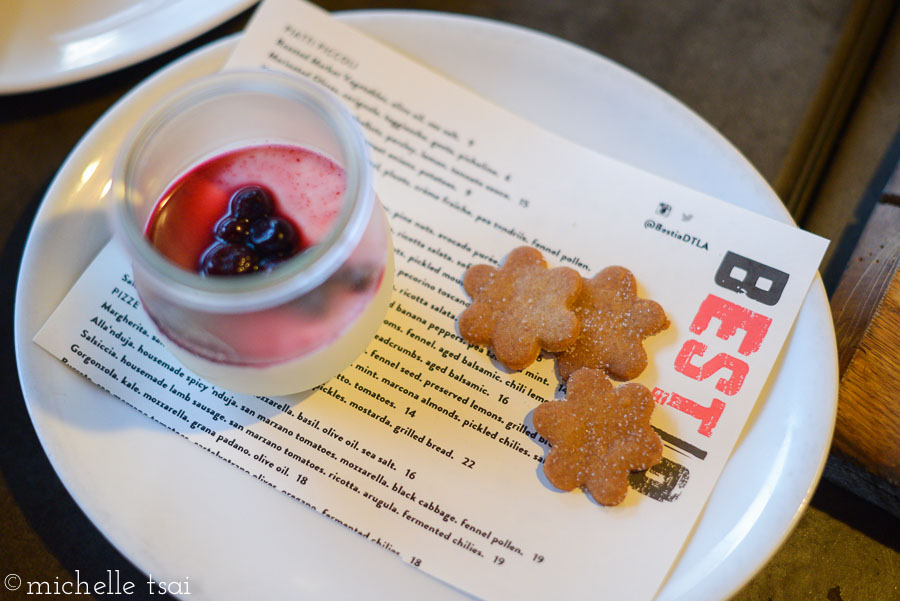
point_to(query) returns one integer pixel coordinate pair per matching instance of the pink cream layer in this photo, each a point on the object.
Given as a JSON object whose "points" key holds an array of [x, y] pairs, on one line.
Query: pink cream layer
{"points": [[307, 188]]}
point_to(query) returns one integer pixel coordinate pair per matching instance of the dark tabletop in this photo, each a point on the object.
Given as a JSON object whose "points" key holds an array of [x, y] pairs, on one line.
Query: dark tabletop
{"points": [[753, 69]]}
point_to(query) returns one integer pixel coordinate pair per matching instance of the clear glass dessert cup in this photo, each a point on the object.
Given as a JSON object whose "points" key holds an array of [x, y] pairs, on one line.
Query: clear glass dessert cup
{"points": [[269, 332]]}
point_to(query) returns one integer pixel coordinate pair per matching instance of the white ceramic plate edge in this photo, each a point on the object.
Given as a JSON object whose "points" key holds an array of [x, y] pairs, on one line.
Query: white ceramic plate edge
{"points": [[726, 587]]}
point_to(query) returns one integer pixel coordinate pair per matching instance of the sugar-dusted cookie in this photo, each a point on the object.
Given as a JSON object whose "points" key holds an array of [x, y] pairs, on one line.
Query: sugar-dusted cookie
{"points": [[598, 435], [521, 308], [614, 324]]}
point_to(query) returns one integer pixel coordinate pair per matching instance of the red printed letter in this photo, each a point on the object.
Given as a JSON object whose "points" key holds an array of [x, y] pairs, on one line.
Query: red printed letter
{"points": [[729, 386], [733, 318], [708, 416]]}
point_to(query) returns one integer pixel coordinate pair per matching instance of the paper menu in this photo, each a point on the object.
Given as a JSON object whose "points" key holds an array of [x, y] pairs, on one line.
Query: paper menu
{"points": [[425, 438]]}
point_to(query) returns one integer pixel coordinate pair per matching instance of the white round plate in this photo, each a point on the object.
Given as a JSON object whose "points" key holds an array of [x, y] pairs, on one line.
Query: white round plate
{"points": [[181, 514], [48, 43]]}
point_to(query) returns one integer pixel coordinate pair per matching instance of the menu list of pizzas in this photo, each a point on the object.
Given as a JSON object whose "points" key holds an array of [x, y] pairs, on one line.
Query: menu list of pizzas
{"points": [[424, 445], [351, 448]]}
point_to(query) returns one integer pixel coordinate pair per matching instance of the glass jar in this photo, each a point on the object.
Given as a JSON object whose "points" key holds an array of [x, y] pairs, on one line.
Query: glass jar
{"points": [[269, 332]]}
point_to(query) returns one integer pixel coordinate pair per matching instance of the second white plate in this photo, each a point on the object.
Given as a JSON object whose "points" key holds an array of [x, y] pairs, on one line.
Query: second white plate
{"points": [[45, 43]]}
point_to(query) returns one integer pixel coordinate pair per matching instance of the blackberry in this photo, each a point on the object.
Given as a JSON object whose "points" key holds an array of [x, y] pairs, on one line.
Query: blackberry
{"points": [[251, 203], [233, 229], [224, 258], [273, 236]]}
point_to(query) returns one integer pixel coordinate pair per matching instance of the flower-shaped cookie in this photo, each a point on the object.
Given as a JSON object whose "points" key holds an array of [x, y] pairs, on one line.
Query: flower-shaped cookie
{"points": [[614, 324], [598, 435], [521, 307]]}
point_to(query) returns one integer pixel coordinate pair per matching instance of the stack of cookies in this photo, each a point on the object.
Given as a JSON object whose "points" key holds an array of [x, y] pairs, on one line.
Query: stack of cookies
{"points": [[595, 328]]}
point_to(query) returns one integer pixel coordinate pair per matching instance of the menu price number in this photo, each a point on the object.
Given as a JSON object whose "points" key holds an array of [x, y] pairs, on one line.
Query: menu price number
{"points": [[536, 558], [499, 560], [466, 462]]}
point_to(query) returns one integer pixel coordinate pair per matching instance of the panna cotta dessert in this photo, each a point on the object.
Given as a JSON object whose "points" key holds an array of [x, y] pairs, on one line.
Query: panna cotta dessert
{"points": [[264, 257]]}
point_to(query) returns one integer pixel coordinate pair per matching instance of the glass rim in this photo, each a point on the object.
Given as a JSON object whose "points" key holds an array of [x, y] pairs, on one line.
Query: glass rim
{"points": [[295, 276]]}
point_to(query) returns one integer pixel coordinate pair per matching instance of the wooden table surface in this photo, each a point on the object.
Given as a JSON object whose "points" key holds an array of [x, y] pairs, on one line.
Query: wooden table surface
{"points": [[866, 310], [759, 71]]}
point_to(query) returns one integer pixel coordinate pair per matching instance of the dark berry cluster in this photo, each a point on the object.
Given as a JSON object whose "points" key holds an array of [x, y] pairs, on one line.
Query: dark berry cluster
{"points": [[250, 237]]}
